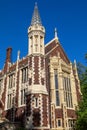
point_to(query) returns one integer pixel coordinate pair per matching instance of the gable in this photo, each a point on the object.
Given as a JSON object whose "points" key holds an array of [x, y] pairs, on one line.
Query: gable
{"points": [[54, 48]]}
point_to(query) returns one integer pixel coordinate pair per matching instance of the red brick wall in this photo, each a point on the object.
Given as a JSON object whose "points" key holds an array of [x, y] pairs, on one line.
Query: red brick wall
{"points": [[71, 113], [56, 50], [30, 61], [44, 106], [36, 70], [58, 113], [28, 105], [36, 117]]}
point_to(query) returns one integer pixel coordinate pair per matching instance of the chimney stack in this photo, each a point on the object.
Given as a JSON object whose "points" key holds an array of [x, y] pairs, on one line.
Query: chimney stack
{"points": [[8, 58], [8, 55]]}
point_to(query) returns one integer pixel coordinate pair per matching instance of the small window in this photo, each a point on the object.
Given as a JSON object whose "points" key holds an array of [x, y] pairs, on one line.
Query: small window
{"points": [[23, 100], [71, 123], [36, 102], [11, 80], [57, 98], [24, 75], [9, 100], [59, 122]]}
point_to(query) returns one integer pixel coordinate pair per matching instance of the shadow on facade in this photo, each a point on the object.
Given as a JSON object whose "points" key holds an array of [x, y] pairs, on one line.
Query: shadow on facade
{"points": [[19, 122]]}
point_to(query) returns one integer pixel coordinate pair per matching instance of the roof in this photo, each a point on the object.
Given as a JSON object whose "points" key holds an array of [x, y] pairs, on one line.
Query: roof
{"points": [[54, 47], [36, 16]]}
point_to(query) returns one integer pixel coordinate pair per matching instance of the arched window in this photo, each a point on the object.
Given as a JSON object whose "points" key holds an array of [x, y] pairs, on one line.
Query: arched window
{"points": [[24, 74], [67, 92], [56, 87]]}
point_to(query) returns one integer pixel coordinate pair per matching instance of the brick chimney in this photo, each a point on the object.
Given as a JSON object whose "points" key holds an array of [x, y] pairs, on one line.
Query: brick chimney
{"points": [[8, 58], [8, 54]]}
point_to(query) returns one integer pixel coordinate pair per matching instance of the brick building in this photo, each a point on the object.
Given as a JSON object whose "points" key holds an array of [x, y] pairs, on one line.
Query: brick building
{"points": [[42, 89]]}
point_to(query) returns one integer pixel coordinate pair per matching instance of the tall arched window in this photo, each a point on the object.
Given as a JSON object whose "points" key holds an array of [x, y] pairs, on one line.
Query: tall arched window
{"points": [[67, 92], [56, 87], [24, 74]]}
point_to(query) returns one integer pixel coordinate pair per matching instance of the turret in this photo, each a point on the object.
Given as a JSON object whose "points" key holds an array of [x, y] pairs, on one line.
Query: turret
{"points": [[36, 33], [37, 95]]}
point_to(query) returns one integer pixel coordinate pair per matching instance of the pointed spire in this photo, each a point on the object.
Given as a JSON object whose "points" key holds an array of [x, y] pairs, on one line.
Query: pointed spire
{"points": [[76, 72], [75, 64], [55, 33], [36, 17], [18, 55]]}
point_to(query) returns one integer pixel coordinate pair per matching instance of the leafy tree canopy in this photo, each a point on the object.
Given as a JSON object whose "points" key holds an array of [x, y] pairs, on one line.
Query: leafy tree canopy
{"points": [[81, 123]]}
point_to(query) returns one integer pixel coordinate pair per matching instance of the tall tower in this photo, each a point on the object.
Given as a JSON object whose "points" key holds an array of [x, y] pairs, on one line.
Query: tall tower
{"points": [[36, 34], [37, 96]]}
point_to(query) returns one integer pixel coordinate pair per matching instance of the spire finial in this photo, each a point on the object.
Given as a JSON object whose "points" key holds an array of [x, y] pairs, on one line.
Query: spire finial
{"points": [[35, 4], [75, 63], [36, 17], [18, 55], [55, 32]]}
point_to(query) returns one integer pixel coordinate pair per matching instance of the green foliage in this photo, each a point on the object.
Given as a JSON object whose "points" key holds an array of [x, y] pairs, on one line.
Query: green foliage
{"points": [[81, 70], [86, 56], [81, 123]]}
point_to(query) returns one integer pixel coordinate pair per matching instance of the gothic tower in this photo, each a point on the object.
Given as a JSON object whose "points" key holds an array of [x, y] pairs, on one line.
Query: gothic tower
{"points": [[36, 34], [37, 96]]}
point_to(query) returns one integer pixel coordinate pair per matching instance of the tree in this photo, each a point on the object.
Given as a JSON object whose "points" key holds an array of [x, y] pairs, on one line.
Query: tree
{"points": [[81, 70], [81, 123], [86, 56]]}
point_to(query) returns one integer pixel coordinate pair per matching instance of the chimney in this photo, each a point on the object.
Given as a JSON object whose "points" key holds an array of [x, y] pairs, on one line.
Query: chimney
{"points": [[8, 55], [8, 58]]}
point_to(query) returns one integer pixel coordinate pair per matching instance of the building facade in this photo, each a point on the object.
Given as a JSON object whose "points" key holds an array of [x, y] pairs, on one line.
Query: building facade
{"points": [[41, 90]]}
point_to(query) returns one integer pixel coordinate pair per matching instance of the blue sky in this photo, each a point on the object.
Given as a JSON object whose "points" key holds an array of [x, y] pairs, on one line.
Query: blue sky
{"points": [[68, 16]]}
